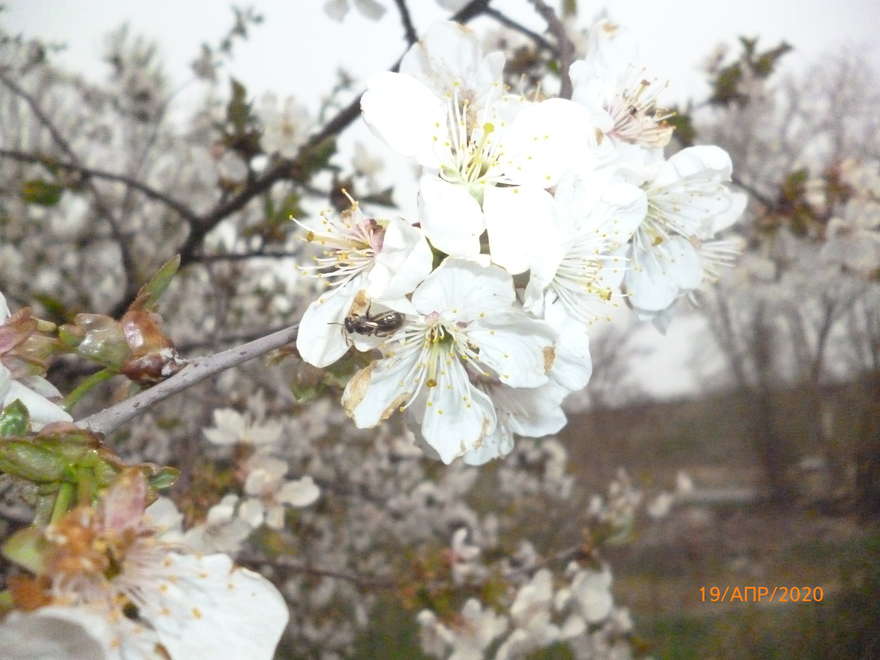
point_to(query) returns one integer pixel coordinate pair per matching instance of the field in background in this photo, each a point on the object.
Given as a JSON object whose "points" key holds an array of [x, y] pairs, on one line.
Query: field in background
{"points": [[733, 537]]}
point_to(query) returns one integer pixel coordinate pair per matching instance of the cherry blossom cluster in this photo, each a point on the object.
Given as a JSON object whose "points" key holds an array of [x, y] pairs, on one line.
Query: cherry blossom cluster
{"points": [[536, 217]]}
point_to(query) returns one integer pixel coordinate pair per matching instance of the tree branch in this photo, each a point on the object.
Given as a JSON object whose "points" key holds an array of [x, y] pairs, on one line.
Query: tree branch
{"points": [[185, 212], [408, 27], [506, 21], [563, 45], [128, 264], [197, 370], [751, 190]]}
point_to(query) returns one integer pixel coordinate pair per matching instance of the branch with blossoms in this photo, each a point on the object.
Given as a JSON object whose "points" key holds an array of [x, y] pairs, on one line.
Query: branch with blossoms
{"points": [[537, 217]]}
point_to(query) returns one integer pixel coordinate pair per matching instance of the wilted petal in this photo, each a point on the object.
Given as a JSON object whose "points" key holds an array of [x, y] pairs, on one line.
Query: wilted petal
{"points": [[377, 390]]}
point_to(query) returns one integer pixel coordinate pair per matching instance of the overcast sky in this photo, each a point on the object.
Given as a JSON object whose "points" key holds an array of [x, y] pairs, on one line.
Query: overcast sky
{"points": [[299, 49]]}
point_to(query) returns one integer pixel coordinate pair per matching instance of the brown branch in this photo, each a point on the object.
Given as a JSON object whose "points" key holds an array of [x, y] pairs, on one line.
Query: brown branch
{"points": [[362, 581], [408, 27], [754, 192], [185, 212], [506, 21], [128, 264], [243, 256], [563, 45], [109, 419]]}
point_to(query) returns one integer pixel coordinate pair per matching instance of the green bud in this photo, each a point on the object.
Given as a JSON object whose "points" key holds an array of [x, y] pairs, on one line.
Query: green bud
{"points": [[148, 296], [25, 459], [164, 477], [14, 420], [28, 548]]}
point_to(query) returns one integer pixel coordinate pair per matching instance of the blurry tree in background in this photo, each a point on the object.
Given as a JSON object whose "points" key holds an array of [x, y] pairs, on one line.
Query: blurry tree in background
{"points": [[801, 312]]}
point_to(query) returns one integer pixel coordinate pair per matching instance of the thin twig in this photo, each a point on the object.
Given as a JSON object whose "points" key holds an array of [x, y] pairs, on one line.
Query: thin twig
{"points": [[408, 27], [754, 192], [243, 256], [505, 20], [563, 45], [196, 371], [128, 264], [185, 212], [343, 119]]}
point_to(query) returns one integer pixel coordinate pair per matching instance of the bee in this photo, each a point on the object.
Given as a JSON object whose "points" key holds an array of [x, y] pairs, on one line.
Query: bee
{"points": [[380, 325]]}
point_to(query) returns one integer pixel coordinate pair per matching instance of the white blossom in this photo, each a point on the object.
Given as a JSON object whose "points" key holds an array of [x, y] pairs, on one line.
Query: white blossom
{"points": [[688, 203], [384, 259], [112, 557], [487, 156], [285, 128], [620, 95], [462, 324], [35, 392]]}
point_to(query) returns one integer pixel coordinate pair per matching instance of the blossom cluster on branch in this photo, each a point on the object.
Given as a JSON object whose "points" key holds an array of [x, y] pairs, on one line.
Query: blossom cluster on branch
{"points": [[535, 215]]}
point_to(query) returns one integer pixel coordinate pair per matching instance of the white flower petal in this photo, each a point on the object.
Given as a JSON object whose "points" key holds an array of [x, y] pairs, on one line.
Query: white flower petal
{"points": [[465, 290], [573, 365], [403, 262], [56, 633], [453, 415], [377, 390], [514, 215], [451, 217], [321, 339], [547, 139], [448, 54], [41, 410], [300, 492], [408, 116], [519, 349], [207, 607]]}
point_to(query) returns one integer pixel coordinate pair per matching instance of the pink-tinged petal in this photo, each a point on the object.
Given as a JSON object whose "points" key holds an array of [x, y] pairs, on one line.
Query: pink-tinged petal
{"points": [[404, 261], [514, 216], [207, 607], [519, 349], [408, 116], [123, 503], [450, 217], [321, 339], [465, 291]]}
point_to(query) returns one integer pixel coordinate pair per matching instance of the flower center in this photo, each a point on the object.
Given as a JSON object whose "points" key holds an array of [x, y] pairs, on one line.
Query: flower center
{"points": [[351, 243], [473, 145]]}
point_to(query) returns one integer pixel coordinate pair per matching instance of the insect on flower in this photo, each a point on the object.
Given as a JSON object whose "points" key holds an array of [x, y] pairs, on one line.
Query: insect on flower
{"points": [[380, 325]]}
